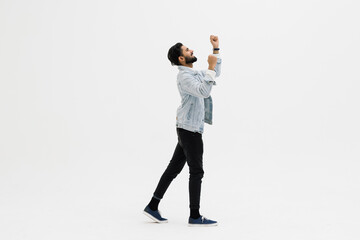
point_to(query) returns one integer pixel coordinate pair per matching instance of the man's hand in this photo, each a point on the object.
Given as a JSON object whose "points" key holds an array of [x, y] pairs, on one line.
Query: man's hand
{"points": [[214, 41], [212, 62]]}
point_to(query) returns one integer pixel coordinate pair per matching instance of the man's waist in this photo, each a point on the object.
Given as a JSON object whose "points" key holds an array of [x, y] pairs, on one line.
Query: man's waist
{"points": [[190, 127]]}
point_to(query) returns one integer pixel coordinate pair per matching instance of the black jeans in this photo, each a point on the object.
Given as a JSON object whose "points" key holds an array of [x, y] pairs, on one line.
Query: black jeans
{"points": [[189, 149]]}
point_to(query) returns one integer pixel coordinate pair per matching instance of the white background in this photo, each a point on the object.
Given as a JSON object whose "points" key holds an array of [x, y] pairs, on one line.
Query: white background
{"points": [[88, 101]]}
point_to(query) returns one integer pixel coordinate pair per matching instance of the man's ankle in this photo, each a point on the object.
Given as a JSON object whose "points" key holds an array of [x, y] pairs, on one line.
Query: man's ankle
{"points": [[194, 213], [154, 203]]}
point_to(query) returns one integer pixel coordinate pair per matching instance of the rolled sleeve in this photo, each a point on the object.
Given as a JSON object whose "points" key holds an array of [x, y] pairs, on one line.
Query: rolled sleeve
{"points": [[212, 75]]}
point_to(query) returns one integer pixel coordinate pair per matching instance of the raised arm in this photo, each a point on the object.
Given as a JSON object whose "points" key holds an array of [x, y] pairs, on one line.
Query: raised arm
{"points": [[214, 40]]}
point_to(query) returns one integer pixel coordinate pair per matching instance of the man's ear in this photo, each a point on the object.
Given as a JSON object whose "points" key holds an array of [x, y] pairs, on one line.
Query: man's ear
{"points": [[181, 58]]}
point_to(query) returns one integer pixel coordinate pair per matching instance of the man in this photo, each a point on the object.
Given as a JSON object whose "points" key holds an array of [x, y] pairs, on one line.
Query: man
{"points": [[195, 109]]}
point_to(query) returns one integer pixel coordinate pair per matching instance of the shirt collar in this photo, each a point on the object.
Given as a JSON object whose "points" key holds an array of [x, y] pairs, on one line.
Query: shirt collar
{"points": [[187, 69]]}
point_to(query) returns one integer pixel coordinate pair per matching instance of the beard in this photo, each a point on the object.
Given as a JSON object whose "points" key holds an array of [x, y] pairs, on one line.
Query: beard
{"points": [[190, 59]]}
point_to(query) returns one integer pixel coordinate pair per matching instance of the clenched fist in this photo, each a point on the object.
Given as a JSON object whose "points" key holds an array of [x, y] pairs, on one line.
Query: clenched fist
{"points": [[212, 62], [214, 41]]}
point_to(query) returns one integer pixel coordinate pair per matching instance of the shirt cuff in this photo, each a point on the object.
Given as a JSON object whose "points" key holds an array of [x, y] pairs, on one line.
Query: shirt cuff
{"points": [[212, 75]]}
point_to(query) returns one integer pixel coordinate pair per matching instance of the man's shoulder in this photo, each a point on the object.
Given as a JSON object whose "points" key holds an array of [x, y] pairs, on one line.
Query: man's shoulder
{"points": [[186, 73]]}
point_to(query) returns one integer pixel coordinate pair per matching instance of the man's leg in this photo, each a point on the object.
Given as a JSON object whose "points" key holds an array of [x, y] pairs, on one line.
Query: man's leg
{"points": [[173, 169], [192, 145]]}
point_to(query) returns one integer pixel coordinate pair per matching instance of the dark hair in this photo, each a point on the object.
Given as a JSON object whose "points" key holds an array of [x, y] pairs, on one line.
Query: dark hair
{"points": [[174, 53]]}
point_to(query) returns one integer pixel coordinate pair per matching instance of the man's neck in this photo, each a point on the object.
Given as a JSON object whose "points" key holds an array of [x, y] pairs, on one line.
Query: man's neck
{"points": [[190, 65]]}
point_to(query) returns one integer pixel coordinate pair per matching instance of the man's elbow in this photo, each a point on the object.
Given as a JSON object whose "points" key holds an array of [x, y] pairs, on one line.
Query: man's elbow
{"points": [[205, 93]]}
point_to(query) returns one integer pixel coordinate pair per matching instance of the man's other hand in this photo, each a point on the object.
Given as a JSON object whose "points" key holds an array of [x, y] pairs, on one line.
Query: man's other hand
{"points": [[214, 41], [212, 62]]}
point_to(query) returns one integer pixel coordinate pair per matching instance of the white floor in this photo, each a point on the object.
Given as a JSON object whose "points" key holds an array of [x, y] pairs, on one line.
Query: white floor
{"points": [[252, 197]]}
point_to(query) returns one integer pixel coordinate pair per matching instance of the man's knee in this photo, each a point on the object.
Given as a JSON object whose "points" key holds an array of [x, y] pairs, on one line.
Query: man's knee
{"points": [[196, 174], [171, 174]]}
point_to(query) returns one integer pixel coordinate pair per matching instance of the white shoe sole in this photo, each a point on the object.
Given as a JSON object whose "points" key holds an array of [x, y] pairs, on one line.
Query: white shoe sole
{"points": [[154, 219], [202, 225]]}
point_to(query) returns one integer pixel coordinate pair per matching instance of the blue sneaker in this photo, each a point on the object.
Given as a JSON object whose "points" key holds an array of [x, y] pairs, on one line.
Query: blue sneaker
{"points": [[154, 215], [201, 222]]}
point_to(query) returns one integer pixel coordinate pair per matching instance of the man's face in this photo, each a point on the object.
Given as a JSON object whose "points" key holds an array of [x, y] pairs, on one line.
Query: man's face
{"points": [[188, 54]]}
